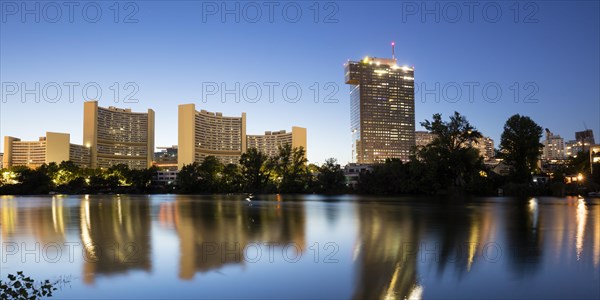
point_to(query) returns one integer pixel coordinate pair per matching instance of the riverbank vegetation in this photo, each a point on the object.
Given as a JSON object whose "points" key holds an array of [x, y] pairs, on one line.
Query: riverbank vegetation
{"points": [[450, 164]]}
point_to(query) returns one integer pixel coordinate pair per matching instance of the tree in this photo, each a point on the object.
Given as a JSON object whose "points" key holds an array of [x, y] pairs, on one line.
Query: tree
{"points": [[580, 163], [189, 177], [24, 287], [291, 170], [66, 172], [34, 181], [254, 173], [450, 158], [230, 179], [520, 146], [210, 171], [120, 171], [331, 178], [141, 179]]}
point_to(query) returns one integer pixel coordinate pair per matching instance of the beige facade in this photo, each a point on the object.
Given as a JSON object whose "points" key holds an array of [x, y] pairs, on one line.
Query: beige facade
{"points": [[54, 147], [423, 138], [118, 136], [203, 133], [270, 141], [485, 145], [554, 146]]}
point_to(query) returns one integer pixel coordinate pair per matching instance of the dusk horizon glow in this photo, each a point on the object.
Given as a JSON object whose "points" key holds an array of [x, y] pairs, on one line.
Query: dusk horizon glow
{"points": [[544, 61]]}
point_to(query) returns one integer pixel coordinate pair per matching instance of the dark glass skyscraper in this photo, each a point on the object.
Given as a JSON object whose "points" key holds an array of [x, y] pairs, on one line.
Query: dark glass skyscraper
{"points": [[382, 109]]}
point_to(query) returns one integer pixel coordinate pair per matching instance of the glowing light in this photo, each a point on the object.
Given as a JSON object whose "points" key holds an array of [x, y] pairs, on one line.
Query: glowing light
{"points": [[473, 238], [57, 215], [366, 59], [533, 209], [416, 293], [119, 210], [580, 177], [85, 225], [390, 291], [9, 177], [581, 219], [597, 238]]}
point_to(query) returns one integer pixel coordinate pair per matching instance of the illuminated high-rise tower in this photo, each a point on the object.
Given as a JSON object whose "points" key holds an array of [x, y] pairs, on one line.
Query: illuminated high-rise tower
{"points": [[382, 109]]}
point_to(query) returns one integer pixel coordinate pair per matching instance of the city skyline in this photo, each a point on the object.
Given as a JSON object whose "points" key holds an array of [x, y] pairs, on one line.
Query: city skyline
{"points": [[114, 135], [264, 145], [403, 149], [170, 67]]}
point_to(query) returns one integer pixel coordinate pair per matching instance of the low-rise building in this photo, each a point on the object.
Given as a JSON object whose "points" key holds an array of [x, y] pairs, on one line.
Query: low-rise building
{"points": [[165, 177], [582, 143], [270, 142], [54, 147], [594, 157], [485, 146], [352, 173], [166, 158], [423, 138]]}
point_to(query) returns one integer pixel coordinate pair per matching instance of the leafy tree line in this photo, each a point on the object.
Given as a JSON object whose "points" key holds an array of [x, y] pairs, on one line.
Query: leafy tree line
{"points": [[287, 172], [69, 178], [450, 164]]}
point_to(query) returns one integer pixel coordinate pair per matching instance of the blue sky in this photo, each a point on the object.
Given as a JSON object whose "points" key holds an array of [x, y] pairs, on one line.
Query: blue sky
{"points": [[548, 52]]}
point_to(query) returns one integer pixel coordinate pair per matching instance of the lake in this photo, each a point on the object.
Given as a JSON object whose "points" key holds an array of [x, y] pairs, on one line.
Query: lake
{"points": [[180, 246]]}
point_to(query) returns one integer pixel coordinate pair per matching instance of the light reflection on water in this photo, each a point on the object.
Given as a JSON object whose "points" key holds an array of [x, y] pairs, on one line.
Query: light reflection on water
{"points": [[305, 247]]}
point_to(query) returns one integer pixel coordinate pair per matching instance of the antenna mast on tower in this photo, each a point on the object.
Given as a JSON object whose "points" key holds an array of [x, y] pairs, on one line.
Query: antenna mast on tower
{"points": [[393, 54]]}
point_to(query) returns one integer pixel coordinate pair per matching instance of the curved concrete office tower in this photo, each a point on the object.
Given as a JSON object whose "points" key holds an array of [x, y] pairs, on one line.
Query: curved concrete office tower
{"points": [[118, 136], [203, 133], [271, 140]]}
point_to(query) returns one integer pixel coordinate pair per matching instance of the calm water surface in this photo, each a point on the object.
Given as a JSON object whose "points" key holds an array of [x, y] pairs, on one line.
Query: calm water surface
{"points": [[173, 246]]}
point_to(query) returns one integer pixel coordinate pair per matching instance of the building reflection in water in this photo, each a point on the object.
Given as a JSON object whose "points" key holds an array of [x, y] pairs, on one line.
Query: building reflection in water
{"points": [[389, 254], [386, 262], [398, 242], [215, 232], [115, 235], [574, 231], [523, 235], [46, 223], [596, 209], [8, 213]]}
